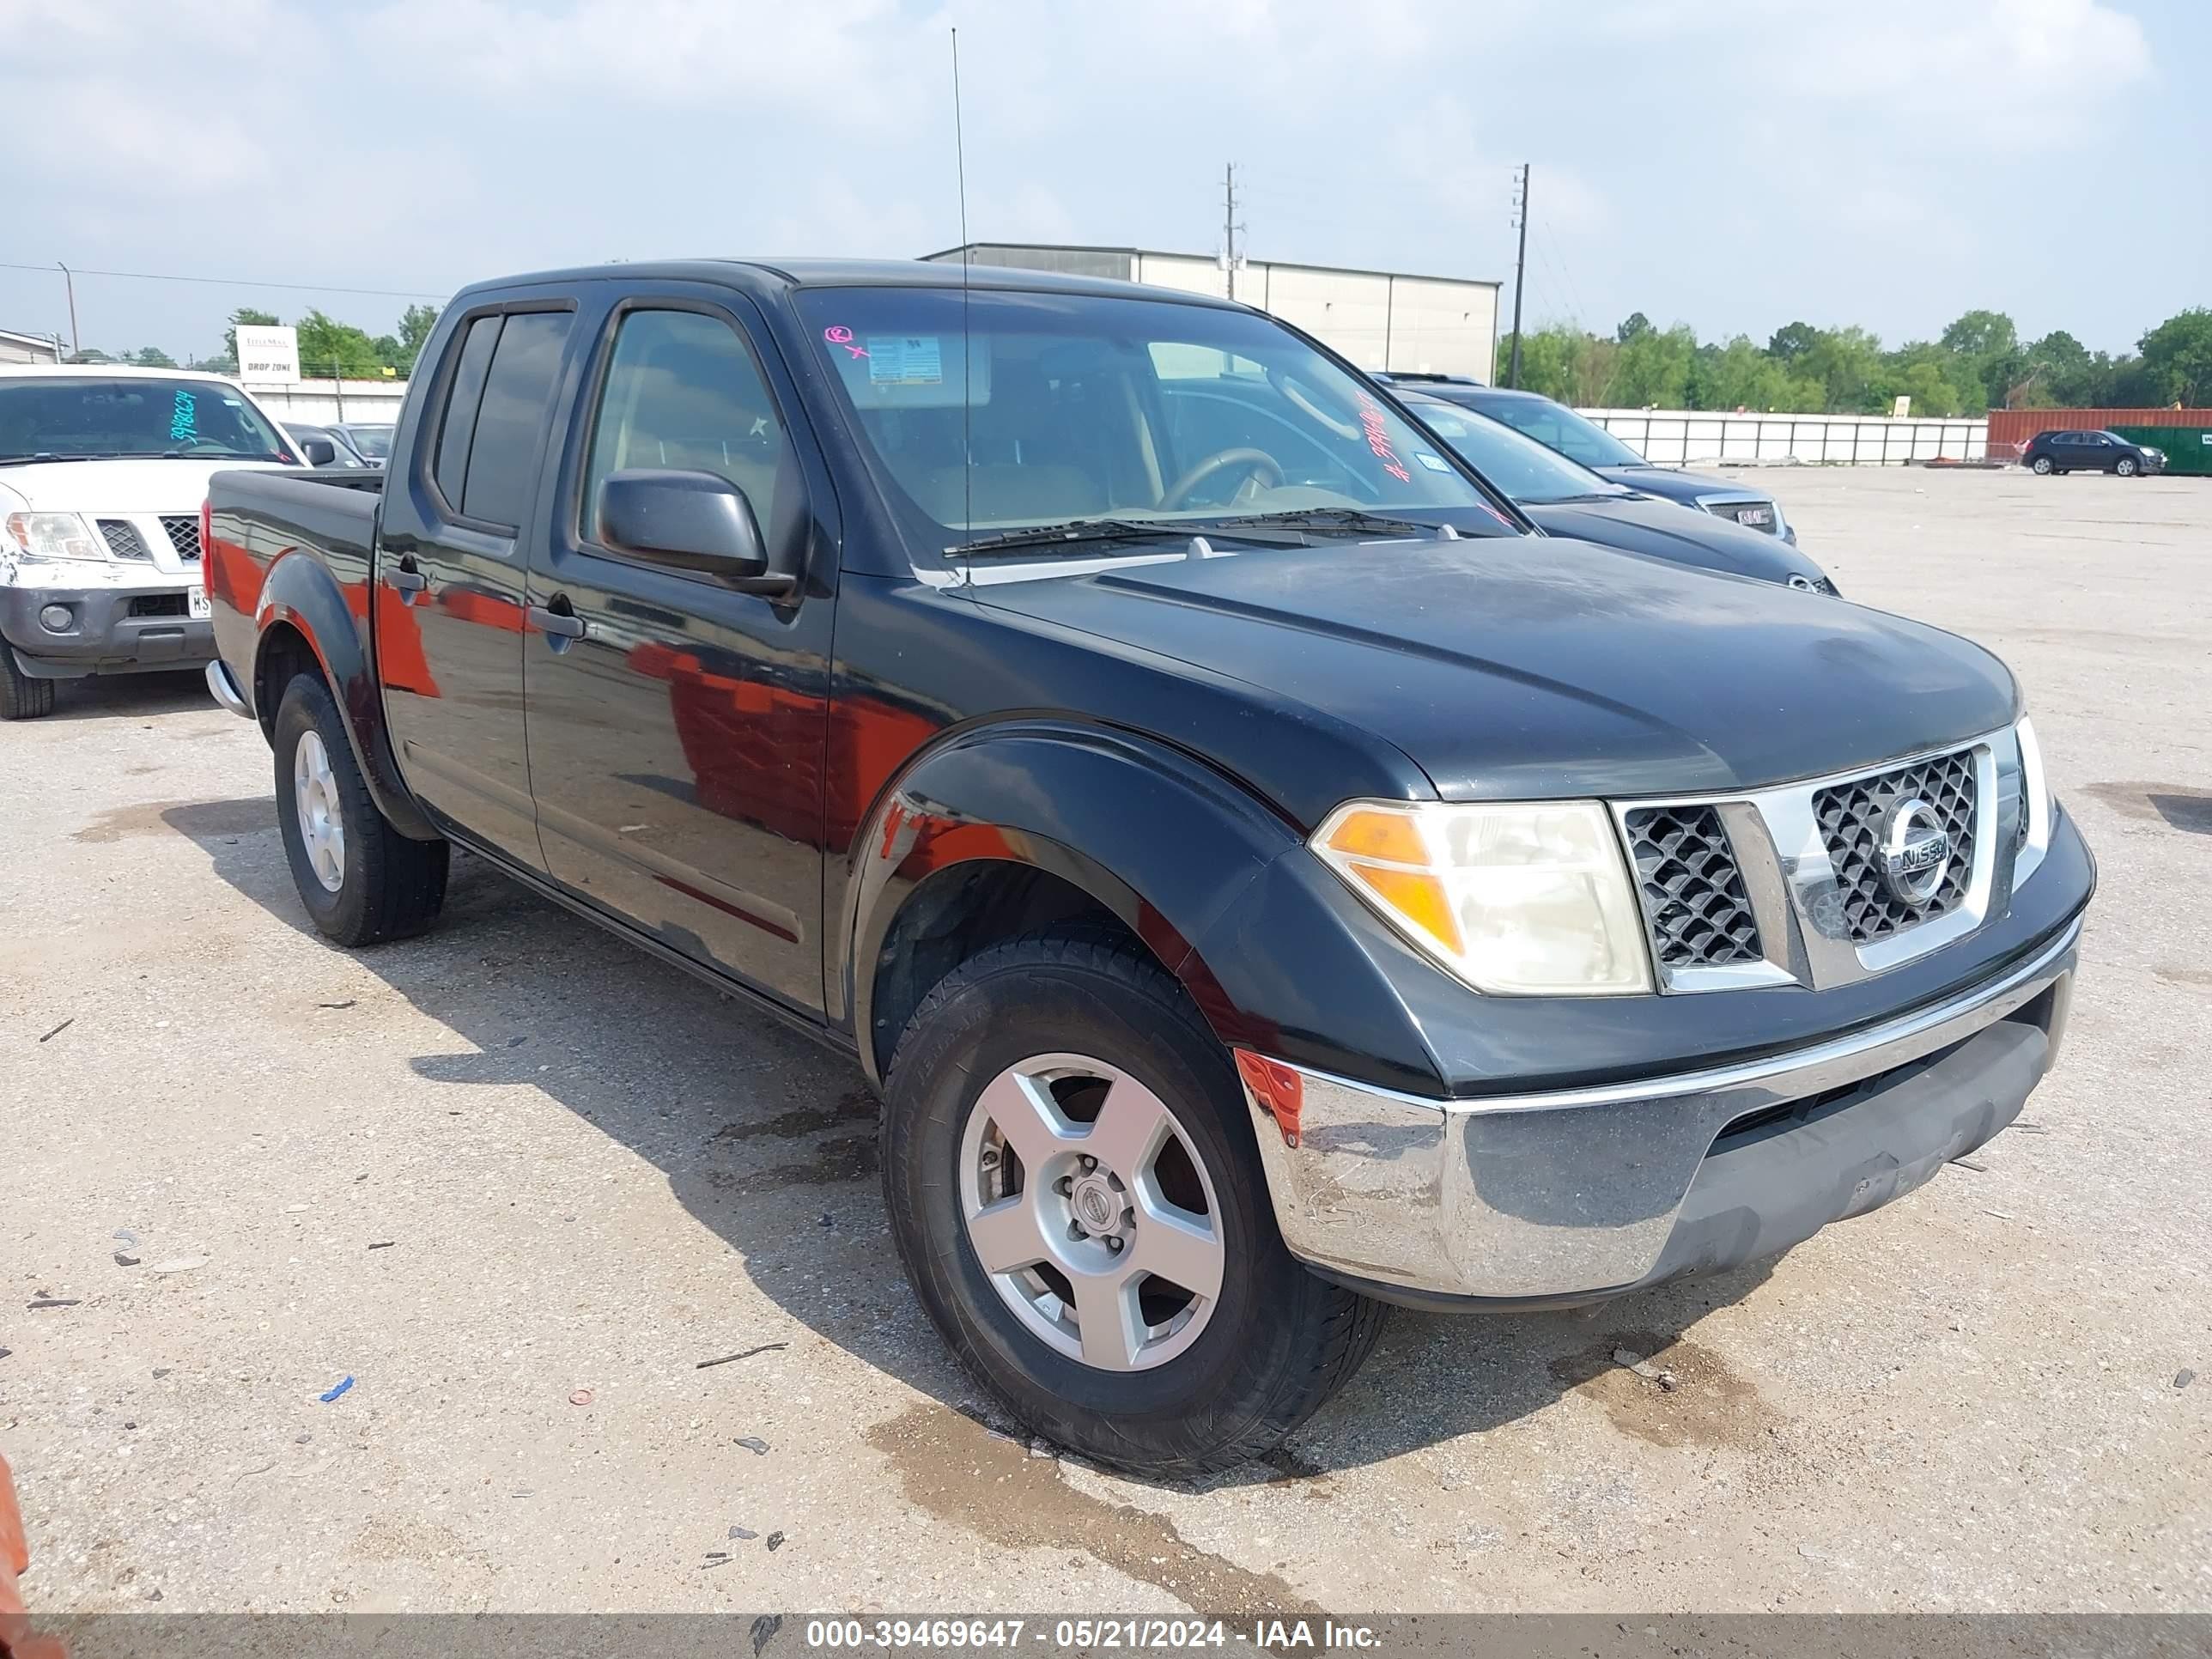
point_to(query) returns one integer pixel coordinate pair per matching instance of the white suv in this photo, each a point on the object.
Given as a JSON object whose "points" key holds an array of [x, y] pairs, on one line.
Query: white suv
{"points": [[102, 472]]}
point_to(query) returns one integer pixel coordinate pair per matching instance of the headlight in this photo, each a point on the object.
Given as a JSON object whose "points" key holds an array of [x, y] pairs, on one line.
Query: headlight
{"points": [[1527, 898], [54, 536], [2039, 806]]}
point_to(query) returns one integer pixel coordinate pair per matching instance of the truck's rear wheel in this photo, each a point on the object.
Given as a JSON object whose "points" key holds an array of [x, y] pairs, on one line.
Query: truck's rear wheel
{"points": [[1073, 1189], [359, 878], [21, 697]]}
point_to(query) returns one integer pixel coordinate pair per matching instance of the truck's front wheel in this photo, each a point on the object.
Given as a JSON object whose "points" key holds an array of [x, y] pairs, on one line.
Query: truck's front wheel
{"points": [[21, 697], [1073, 1189], [359, 878]]}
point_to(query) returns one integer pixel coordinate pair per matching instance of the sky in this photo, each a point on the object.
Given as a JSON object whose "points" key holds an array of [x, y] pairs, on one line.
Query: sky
{"points": [[1730, 164]]}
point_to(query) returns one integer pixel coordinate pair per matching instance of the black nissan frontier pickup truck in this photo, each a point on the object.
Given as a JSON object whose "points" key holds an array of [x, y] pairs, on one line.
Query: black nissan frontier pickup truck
{"points": [[1263, 881]]}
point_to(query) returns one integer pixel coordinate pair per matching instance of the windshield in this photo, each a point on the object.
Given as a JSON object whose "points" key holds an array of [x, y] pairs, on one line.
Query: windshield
{"points": [[79, 418], [373, 442], [1531, 474], [1019, 410], [1557, 427]]}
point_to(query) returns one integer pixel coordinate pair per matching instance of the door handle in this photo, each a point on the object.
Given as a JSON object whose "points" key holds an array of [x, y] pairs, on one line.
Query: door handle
{"points": [[407, 579], [561, 624]]}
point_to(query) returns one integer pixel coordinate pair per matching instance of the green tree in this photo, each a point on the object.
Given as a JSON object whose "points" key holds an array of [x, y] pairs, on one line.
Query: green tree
{"points": [[1567, 364], [1985, 346], [415, 325], [1635, 327], [2177, 358], [1847, 363], [151, 357], [244, 316], [1651, 368], [1792, 341], [329, 349]]}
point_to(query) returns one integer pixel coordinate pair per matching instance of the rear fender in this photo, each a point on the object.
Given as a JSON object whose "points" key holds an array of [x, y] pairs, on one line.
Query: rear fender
{"points": [[300, 591]]}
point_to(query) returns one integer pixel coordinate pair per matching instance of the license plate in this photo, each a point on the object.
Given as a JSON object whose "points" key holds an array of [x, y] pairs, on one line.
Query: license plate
{"points": [[1761, 516], [196, 602]]}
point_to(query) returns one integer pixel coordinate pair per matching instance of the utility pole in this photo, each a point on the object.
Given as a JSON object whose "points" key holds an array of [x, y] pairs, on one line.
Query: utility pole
{"points": [[1229, 225], [75, 349], [1520, 272]]}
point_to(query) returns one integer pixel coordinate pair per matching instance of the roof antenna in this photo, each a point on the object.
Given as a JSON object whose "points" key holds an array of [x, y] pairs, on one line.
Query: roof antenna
{"points": [[966, 367]]}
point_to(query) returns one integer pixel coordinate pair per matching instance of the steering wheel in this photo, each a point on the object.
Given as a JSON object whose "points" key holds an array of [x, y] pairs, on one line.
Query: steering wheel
{"points": [[1258, 461]]}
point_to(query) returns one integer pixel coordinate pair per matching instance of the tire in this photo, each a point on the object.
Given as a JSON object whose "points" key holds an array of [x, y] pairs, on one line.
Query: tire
{"points": [[387, 885], [1247, 1366], [2040, 466], [21, 697], [2125, 466]]}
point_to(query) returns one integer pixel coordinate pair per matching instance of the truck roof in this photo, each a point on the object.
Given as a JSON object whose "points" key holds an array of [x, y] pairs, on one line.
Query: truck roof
{"points": [[110, 372], [763, 275]]}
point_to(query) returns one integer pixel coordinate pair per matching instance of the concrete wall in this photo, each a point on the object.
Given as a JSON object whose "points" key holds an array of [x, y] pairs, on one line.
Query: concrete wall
{"points": [[1674, 437], [370, 403]]}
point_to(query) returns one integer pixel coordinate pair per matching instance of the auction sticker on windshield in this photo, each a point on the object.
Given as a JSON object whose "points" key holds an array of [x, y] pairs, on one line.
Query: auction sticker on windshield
{"points": [[905, 360]]}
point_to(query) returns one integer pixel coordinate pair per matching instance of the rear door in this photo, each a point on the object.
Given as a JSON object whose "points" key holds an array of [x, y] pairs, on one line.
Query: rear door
{"points": [[450, 571], [677, 741]]}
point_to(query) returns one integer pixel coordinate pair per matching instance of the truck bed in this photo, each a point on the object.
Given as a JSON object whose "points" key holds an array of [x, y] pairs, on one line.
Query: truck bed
{"points": [[257, 521]]}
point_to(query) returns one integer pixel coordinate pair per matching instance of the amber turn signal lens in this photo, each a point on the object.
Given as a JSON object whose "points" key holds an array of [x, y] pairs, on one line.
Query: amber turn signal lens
{"points": [[1388, 836]]}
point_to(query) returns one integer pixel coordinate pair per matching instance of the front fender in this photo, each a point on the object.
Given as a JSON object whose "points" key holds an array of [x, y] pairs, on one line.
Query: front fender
{"points": [[1168, 845], [300, 591]]}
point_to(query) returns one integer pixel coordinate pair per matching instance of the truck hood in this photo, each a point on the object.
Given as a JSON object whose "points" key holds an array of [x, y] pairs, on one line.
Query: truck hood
{"points": [[149, 486], [1520, 669]]}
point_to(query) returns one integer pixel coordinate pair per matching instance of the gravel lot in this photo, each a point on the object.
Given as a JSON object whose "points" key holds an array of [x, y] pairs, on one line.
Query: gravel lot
{"points": [[517, 1182]]}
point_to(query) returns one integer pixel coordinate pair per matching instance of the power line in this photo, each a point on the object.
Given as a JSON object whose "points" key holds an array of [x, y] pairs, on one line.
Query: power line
{"points": [[232, 282]]}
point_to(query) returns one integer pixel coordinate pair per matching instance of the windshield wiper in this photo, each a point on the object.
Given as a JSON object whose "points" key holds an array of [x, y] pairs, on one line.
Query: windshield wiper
{"points": [[1075, 531], [1351, 519], [44, 459]]}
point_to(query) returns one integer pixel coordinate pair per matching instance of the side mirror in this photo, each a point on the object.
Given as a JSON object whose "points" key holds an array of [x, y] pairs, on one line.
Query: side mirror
{"points": [[697, 521], [318, 451]]}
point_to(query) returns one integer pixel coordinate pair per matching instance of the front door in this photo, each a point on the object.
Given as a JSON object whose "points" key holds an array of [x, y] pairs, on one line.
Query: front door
{"points": [[449, 577], [677, 742]]}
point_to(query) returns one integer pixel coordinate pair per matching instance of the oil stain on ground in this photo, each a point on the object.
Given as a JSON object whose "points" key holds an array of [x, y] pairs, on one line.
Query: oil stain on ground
{"points": [[193, 818], [958, 1471], [2172, 803], [1709, 1405]]}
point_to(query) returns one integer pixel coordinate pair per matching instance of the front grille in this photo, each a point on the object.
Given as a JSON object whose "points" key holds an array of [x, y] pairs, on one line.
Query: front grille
{"points": [[1693, 895], [123, 539], [184, 537], [1852, 817]]}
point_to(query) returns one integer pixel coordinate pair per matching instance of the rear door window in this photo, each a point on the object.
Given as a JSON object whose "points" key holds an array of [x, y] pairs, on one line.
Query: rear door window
{"points": [[518, 395], [451, 469]]}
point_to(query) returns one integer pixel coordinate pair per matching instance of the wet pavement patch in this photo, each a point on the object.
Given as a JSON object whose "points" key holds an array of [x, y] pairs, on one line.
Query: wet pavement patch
{"points": [[2174, 805], [956, 1469], [1705, 1403], [196, 819]]}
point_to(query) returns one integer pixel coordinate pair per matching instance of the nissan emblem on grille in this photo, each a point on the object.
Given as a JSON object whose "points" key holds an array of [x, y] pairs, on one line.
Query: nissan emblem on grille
{"points": [[1916, 850], [1902, 843]]}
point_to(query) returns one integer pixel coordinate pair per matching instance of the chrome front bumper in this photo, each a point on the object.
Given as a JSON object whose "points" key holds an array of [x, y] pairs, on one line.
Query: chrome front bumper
{"points": [[1552, 1199]]}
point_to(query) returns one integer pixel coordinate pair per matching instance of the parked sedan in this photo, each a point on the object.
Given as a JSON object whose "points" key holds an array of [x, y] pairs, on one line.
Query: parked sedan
{"points": [[2090, 451], [1565, 498], [315, 440], [1557, 427], [371, 441]]}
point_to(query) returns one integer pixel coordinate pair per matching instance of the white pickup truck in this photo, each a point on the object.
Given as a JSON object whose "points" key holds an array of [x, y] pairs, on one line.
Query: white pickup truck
{"points": [[102, 473]]}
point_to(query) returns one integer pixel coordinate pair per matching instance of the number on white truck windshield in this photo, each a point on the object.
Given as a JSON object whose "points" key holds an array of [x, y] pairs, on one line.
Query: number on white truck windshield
{"points": [[74, 417]]}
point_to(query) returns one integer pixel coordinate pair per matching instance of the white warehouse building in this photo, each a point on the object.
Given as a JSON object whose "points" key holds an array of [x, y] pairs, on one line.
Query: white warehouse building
{"points": [[1379, 318]]}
